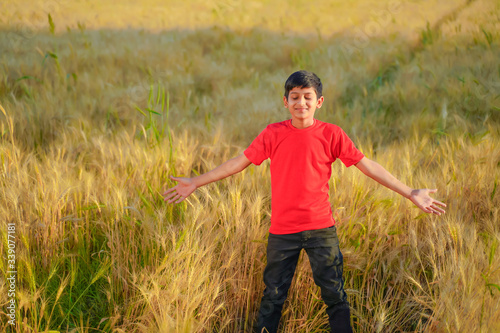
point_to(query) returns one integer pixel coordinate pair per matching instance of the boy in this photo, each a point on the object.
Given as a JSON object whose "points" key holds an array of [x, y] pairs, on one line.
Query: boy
{"points": [[302, 150]]}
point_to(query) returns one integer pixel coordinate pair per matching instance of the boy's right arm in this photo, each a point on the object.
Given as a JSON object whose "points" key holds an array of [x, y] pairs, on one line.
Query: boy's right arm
{"points": [[186, 186]]}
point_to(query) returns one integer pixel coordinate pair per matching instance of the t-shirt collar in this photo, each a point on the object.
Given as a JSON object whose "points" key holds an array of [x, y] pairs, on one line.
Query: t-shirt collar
{"points": [[289, 123]]}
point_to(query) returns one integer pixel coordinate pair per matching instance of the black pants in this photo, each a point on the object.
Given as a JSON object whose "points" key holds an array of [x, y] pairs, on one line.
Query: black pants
{"points": [[322, 247]]}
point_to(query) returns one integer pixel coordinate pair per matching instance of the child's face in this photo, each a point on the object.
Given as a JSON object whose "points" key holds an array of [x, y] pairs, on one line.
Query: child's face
{"points": [[302, 104]]}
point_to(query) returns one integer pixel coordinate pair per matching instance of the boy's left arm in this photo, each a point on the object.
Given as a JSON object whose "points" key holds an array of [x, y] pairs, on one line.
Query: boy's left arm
{"points": [[420, 197]]}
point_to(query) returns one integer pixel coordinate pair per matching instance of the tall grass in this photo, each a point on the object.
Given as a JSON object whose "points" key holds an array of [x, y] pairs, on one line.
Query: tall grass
{"points": [[95, 118]]}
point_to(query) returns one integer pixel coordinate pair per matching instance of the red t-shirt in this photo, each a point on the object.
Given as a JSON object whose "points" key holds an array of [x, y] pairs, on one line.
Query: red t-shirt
{"points": [[301, 161]]}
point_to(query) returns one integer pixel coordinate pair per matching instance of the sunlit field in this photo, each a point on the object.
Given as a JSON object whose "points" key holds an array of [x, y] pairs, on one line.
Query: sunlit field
{"points": [[100, 103]]}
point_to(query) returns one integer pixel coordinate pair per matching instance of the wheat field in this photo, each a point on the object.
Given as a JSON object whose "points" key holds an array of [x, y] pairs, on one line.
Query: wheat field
{"points": [[101, 102]]}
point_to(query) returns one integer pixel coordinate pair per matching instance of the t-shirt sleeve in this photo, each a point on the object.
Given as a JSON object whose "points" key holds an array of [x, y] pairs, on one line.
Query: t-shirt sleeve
{"points": [[259, 149], [345, 150]]}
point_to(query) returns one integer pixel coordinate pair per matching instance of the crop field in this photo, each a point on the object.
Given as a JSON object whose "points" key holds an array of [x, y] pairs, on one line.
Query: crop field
{"points": [[100, 103]]}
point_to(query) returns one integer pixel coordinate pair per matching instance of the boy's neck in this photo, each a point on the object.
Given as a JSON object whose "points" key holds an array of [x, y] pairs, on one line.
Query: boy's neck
{"points": [[302, 124]]}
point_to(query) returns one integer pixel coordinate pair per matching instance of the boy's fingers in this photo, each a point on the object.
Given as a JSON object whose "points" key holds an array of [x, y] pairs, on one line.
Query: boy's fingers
{"points": [[430, 210], [180, 200], [169, 190], [438, 209], [442, 204], [173, 198], [442, 211], [170, 196]]}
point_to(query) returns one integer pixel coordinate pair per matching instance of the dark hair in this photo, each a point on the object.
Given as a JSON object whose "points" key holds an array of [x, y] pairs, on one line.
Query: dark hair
{"points": [[304, 79]]}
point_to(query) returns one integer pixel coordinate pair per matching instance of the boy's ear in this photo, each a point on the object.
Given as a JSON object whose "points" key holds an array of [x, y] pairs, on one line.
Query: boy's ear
{"points": [[285, 101], [319, 103]]}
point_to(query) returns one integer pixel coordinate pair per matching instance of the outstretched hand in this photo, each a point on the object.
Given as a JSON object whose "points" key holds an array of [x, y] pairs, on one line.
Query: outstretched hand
{"points": [[179, 192], [425, 202]]}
